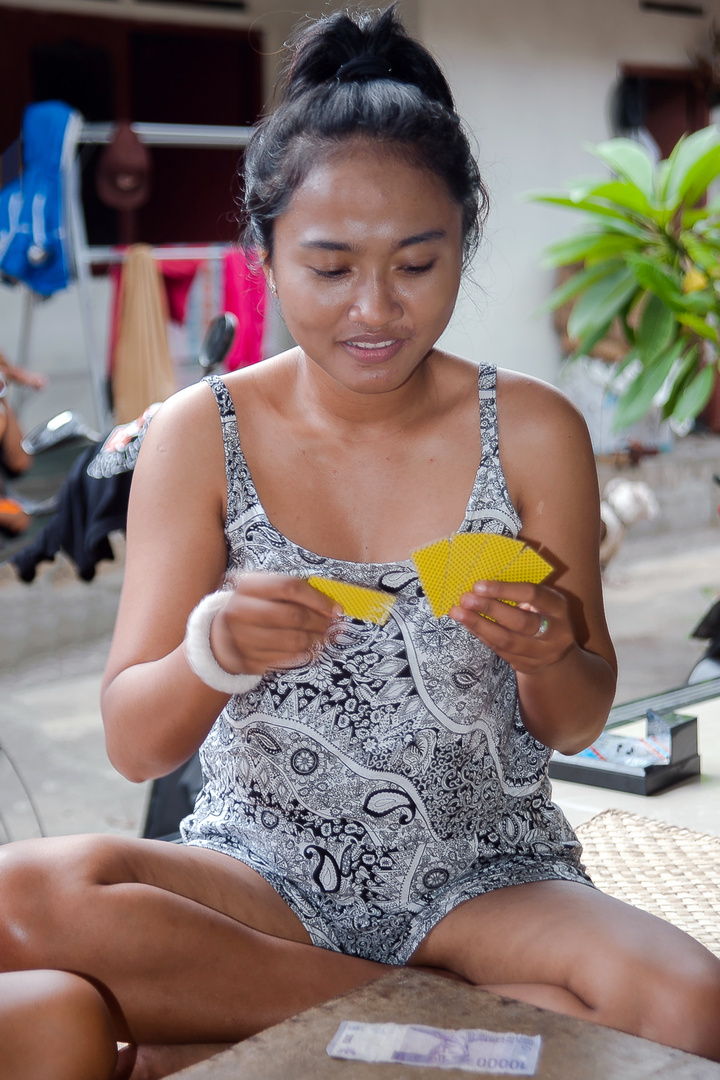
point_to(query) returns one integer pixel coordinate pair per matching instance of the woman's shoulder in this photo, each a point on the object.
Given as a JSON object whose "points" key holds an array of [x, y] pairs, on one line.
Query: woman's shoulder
{"points": [[543, 437], [536, 405]]}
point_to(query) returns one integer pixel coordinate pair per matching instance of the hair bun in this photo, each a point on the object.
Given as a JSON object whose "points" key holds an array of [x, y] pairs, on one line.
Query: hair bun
{"points": [[366, 66], [367, 45]]}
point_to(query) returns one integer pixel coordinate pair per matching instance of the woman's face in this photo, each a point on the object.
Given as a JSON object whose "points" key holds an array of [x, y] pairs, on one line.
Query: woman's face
{"points": [[367, 262]]}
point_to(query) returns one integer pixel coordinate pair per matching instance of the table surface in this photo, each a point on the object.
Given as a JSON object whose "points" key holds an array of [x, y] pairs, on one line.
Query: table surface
{"points": [[571, 1050]]}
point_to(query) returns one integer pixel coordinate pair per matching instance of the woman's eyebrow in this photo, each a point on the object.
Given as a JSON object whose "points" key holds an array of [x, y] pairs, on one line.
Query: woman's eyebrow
{"points": [[422, 238], [337, 245]]}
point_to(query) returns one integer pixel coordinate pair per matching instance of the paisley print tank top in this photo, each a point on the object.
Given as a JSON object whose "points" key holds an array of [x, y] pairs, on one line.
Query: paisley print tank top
{"points": [[392, 777]]}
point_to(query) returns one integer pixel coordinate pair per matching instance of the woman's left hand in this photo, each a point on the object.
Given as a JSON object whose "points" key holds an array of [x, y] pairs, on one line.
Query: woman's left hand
{"points": [[530, 634]]}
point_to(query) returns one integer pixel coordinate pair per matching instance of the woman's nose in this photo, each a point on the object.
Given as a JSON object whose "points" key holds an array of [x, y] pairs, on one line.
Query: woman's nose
{"points": [[375, 302]]}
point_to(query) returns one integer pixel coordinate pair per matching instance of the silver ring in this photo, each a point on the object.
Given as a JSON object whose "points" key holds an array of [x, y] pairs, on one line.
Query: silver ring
{"points": [[542, 628]]}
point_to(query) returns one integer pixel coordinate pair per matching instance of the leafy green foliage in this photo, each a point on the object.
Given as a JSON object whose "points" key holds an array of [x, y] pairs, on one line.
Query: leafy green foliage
{"points": [[648, 255]]}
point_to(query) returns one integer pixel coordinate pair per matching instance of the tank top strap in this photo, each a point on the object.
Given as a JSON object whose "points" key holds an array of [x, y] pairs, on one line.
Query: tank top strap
{"points": [[490, 508], [241, 493], [487, 384]]}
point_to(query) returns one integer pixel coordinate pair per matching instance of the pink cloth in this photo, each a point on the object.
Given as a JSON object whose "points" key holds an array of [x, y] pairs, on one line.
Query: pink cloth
{"points": [[245, 298], [177, 275]]}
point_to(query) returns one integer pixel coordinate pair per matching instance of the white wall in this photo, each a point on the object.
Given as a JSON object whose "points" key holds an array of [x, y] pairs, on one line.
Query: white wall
{"points": [[532, 80]]}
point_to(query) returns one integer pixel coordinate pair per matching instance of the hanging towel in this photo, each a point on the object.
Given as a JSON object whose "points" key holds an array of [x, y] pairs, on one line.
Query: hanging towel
{"points": [[178, 276], [245, 298], [33, 239], [143, 370]]}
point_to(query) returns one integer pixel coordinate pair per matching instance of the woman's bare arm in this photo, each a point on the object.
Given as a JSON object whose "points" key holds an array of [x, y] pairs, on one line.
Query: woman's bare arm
{"points": [[566, 677], [155, 709]]}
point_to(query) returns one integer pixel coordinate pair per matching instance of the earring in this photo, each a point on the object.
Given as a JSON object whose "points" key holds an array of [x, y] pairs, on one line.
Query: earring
{"points": [[273, 287]]}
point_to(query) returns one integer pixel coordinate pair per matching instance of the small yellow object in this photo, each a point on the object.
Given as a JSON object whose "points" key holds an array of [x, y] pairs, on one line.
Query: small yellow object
{"points": [[694, 280], [449, 567], [368, 605]]}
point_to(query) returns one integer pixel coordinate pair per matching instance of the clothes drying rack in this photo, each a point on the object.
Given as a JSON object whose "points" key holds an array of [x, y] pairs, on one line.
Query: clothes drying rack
{"points": [[83, 256]]}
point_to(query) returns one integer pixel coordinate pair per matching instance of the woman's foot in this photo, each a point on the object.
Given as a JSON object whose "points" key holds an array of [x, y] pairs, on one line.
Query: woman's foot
{"points": [[155, 1062]]}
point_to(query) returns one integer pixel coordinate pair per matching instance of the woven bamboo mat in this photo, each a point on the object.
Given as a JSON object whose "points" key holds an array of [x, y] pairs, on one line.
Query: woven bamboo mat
{"points": [[670, 872]]}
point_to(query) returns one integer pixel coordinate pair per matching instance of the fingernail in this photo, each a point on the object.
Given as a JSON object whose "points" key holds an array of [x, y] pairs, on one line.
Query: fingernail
{"points": [[337, 611], [480, 587]]}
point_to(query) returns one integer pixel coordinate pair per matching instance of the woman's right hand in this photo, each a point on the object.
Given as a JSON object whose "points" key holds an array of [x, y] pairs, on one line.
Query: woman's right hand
{"points": [[270, 621]]}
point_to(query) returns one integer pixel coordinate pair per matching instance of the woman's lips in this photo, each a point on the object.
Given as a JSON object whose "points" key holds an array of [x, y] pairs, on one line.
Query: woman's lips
{"points": [[376, 352]]}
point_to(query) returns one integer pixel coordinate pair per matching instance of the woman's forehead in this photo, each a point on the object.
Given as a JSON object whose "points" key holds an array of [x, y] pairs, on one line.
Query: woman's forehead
{"points": [[370, 188]]}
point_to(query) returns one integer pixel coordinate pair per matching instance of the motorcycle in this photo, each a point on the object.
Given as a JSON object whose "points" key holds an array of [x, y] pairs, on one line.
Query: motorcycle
{"points": [[59, 445]]}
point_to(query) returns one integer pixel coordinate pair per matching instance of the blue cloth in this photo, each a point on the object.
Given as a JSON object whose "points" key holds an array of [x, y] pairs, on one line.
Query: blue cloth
{"points": [[33, 244]]}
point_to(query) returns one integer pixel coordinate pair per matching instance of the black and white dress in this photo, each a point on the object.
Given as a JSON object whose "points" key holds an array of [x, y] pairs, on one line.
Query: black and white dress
{"points": [[391, 778]]}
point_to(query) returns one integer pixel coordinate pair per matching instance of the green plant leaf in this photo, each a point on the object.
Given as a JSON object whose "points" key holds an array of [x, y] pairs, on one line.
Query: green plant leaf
{"points": [[696, 395], [621, 193], [589, 340], [704, 253], [619, 219], [597, 245], [687, 156], [630, 160], [701, 302], [592, 245], [662, 173], [681, 378], [649, 274], [656, 329], [577, 283], [601, 302], [699, 326], [637, 400]]}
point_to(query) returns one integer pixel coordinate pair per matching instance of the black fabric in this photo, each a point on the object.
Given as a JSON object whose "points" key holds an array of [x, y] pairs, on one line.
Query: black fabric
{"points": [[172, 798], [89, 509]]}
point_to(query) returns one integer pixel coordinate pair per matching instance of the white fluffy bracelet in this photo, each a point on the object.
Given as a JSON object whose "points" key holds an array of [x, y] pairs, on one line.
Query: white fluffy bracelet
{"points": [[199, 653]]}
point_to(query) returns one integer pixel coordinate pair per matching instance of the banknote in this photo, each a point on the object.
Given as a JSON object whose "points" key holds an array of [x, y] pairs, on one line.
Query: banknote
{"points": [[471, 1049]]}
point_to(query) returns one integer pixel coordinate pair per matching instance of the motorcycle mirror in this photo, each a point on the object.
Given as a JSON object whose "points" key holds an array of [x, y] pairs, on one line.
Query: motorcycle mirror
{"points": [[65, 427], [217, 341]]}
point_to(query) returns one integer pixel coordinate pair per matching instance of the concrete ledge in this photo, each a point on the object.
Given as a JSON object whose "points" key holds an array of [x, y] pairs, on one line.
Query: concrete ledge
{"points": [[682, 480]]}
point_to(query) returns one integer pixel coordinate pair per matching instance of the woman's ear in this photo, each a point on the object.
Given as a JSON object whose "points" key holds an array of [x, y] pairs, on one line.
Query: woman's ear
{"points": [[268, 272]]}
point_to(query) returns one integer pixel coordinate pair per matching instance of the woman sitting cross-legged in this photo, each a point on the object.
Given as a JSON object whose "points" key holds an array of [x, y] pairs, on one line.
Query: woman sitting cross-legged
{"points": [[374, 794]]}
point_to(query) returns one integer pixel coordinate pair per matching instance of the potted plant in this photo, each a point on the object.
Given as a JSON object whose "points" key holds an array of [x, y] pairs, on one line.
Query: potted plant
{"points": [[648, 255]]}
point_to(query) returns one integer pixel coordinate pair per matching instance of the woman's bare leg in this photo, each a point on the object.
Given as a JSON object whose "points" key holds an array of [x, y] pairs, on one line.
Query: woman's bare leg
{"points": [[54, 1026], [569, 948], [12, 454], [187, 945]]}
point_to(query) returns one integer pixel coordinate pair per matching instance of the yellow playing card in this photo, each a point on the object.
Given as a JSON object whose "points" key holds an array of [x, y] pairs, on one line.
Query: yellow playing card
{"points": [[527, 566], [369, 605], [431, 563], [449, 567]]}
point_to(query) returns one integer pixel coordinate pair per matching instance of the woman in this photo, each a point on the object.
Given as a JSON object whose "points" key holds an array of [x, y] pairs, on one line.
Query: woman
{"points": [[374, 794], [13, 518]]}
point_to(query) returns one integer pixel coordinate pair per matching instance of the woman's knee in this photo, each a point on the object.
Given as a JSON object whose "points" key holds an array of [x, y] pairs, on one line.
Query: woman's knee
{"points": [[669, 993], [45, 889], [685, 1006], [54, 1025]]}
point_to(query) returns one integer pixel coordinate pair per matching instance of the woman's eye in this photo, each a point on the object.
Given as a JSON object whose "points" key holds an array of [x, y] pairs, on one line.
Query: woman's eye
{"points": [[419, 269], [329, 273]]}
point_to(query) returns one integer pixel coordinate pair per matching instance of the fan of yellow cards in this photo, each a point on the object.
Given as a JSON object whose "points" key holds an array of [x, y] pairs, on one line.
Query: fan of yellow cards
{"points": [[450, 567], [447, 569], [369, 605]]}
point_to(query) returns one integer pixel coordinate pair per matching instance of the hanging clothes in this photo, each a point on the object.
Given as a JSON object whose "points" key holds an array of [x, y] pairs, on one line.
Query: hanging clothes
{"points": [[178, 276], [33, 232], [142, 370], [245, 297]]}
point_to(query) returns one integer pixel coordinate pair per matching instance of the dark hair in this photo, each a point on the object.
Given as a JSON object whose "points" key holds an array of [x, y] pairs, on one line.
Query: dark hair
{"points": [[359, 75]]}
